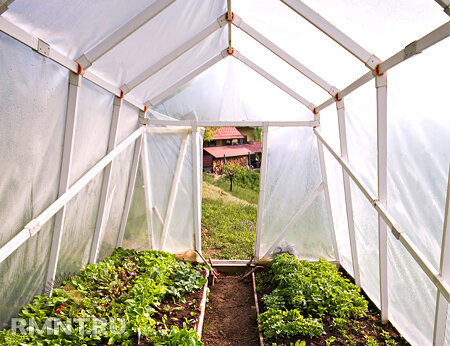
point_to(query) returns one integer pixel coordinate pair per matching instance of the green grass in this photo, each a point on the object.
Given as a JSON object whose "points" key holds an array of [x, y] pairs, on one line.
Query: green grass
{"points": [[231, 229], [240, 192]]}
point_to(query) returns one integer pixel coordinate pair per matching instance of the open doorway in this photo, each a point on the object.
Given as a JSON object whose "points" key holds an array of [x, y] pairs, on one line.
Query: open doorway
{"points": [[230, 191]]}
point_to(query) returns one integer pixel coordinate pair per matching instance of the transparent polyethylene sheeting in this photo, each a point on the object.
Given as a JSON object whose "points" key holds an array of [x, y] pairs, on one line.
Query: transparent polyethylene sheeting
{"points": [[171, 189], [120, 175], [419, 148], [56, 23], [92, 130], [366, 228], [33, 94], [412, 296], [293, 174], [157, 38], [136, 235], [233, 92]]}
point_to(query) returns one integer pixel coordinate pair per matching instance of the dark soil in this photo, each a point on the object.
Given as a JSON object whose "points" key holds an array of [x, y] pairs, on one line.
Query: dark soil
{"points": [[231, 314], [357, 332]]}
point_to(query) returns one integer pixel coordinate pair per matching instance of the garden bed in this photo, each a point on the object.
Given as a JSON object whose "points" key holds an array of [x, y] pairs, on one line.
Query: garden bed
{"points": [[145, 298], [303, 303]]}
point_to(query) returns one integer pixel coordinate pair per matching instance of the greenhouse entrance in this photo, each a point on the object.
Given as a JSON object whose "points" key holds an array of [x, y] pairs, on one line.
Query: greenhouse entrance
{"points": [[230, 191]]}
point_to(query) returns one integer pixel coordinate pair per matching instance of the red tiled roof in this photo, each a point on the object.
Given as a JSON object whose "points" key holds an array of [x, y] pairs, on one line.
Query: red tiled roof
{"points": [[234, 150], [227, 132]]}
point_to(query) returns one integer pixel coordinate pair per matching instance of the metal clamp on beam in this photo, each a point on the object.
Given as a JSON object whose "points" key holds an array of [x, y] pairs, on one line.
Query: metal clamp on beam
{"points": [[43, 48], [33, 227], [411, 49]]}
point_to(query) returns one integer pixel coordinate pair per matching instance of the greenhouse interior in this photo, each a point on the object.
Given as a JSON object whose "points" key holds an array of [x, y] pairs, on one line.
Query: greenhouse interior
{"points": [[354, 168]]}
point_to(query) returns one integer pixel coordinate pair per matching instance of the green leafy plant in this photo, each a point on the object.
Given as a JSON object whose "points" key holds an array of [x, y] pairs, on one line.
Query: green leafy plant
{"points": [[111, 301]]}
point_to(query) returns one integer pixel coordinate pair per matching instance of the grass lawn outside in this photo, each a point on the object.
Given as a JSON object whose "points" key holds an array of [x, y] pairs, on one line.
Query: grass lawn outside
{"points": [[228, 219]]}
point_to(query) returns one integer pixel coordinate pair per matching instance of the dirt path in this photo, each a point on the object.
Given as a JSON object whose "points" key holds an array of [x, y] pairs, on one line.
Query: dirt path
{"points": [[231, 316]]}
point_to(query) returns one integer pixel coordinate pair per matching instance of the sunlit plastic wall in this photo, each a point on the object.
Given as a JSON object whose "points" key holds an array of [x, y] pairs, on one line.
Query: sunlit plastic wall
{"points": [[292, 177], [169, 155]]}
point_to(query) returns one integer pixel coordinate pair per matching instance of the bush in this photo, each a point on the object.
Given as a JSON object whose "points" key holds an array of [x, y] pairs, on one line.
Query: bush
{"points": [[244, 177]]}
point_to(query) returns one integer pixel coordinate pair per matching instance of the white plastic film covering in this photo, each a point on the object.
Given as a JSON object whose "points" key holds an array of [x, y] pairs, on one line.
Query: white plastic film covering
{"points": [[171, 189], [366, 228], [419, 147], [188, 62], [337, 200], [382, 27], [293, 175], [412, 296], [73, 27], [277, 67], [361, 125], [447, 332], [136, 235], [158, 38], [33, 94], [233, 92], [90, 145], [296, 36], [120, 176]]}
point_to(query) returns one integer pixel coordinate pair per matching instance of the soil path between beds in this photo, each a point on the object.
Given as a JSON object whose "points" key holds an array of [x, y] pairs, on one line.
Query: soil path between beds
{"points": [[230, 315]]}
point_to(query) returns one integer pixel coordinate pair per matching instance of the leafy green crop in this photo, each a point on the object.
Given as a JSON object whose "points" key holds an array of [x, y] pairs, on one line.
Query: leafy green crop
{"points": [[307, 289], [110, 302]]}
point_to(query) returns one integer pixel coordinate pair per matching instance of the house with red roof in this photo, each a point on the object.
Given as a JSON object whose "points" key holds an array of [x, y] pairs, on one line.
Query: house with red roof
{"points": [[229, 146]]}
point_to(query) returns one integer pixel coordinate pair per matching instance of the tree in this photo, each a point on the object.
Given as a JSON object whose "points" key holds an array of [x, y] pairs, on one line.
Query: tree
{"points": [[209, 133], [229, 173]]}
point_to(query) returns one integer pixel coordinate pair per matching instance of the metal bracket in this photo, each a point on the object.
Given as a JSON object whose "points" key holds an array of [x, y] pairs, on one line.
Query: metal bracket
{"points": [[43, 48], [222, 20], [84, 62], [411, 49], [3, 7], [333, 91], [33, 227], [396, 232], [372, 62]]}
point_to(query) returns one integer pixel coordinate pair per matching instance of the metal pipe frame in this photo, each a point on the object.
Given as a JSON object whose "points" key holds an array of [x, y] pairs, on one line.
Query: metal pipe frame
{"points": [[273, 80], [440, 321], [410, 50], [382, 172], [348, 192], [196, 184], [64, 177], [33, 42], [104, 197], [147, 191], [332, 32], [239, 23], [35, 225], [262, 187], [130, 190], [166, 60], [87, 59], [399, 233], [4, 5], [445, 5], [209, 123]]}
